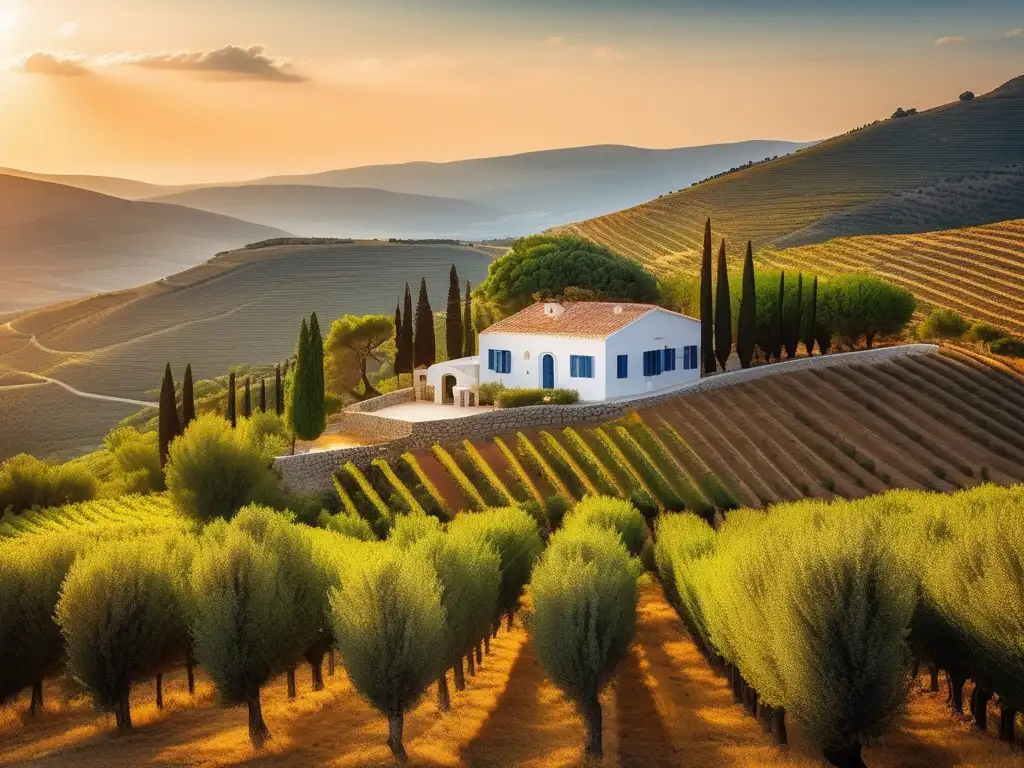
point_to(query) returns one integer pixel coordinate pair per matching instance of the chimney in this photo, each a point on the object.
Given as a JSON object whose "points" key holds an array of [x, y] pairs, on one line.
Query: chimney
{"points": [[618, 309], [553, 309]]}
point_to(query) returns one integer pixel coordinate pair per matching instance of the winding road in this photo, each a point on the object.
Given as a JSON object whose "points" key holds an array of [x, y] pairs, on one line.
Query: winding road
{"points": [[78, 392]]}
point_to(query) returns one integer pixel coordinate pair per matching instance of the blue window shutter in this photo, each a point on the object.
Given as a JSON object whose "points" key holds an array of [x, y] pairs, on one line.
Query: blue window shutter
{"points": [[623, 366], [647, 363], [686, 358], [506, 362], [490, 359], [694, 358], [590, 367]]}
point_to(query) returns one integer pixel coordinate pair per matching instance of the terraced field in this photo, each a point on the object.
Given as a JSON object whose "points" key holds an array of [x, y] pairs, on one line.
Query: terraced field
{"points": [[958, 165], [241, 307], [978, 272], [937, 422]]}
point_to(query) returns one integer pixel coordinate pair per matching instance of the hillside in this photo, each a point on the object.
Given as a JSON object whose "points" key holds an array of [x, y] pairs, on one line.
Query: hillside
{"points": [[244, 306], [355, 212], [58, 242], [127, 189], [960, 164]]}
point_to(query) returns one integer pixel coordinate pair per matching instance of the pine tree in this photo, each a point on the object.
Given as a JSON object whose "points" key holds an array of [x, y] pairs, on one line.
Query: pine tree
{"points": [[306, 410], [398, 340], [404, 355], [808, 329], [232, 412], [188, 399], [723, 311], [263, 395], [168, 426], [316, 349], [707, 328], [468, 332], [793, 320], [247, 398], [425, 348], [278, 392], [747, 327], [777, 320], [453, 317]]}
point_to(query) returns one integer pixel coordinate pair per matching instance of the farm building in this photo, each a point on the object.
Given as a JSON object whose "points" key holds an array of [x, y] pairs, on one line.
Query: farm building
{"points": [[603, 350]]}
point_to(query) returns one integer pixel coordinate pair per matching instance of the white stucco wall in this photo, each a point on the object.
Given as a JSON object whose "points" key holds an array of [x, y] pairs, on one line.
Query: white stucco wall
{"points": [[463, 369], [528, 373], [656, 330]]}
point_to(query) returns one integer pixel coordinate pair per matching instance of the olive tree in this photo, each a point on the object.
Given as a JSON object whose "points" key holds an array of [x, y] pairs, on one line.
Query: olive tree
{"points": [[32, 570], [389, 626], [855, 306], [241, 621], [119, 614], [583, 616], [469, 571], [617, 515], [408, 529]]}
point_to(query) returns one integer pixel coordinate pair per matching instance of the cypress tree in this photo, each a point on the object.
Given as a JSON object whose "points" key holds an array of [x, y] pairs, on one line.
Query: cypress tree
{"points": [[307, 411], [793, 320], [453, 317], [747, 326], [232, 412], [398, 340], [707, 328], [188, 399], [406, 351], [723, 311], [278, 391], [263, 395], [168, 426], [247, 399], [812, 310], [777, 320], [468, 332], [316, 350], [425, 348]]}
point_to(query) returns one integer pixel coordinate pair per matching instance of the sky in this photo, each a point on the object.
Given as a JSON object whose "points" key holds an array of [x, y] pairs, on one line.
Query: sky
{"points": [[179, 91]]}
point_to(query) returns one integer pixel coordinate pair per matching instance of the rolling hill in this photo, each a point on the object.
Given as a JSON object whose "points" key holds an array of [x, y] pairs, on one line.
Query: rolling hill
{"points": [[957, 165], [242, 307], [58, 242], [355, 212]]}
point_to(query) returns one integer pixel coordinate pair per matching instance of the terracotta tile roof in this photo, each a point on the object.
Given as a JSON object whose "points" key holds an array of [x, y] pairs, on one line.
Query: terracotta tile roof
{"points": [[583, 319]]}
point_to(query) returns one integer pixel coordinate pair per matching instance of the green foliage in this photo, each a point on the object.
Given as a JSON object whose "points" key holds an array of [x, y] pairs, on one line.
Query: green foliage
{"points": [[680, 293], [214, 470], [986, 333], [746, 329], [519, 397], [943, 324], [424, 345], [118, 612], [31, 574], [861, 306], [707, 320], [168, 426], [453, 317], [682, 540], [353, 343], [617, 515], [1008, 347], [369, 503], [468, 330], [489, 392], [28, 483], [547, 265], [136, 459], [409, 529], [723, 311], [347, 524], [306, 415]]}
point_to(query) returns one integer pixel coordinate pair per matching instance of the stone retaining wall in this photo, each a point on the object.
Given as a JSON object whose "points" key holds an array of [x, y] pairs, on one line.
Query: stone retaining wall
{"points": [[312, 472]]}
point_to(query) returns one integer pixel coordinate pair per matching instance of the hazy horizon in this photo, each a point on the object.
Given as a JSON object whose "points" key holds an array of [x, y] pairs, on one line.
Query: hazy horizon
{"points": [[183, 91]]}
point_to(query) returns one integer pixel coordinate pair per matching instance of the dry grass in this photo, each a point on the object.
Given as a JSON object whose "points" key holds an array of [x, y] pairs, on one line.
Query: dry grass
{"points": [[667, 708]]}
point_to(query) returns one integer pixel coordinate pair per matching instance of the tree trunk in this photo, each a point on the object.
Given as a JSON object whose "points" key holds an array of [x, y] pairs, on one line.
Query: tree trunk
{"points": [[487, 645], [330, 663], [593, 747], [291, 682], [459, 673], [159, 691], [395, 725], [737, 684], [368, 390], [316, 668], [471, 664], [123, 710], [916, 669], [752, 700], [190, 672], [869, 338], [510, 618], [778, 726], [293, 445], [934, 672], [36, 704], [845, 757], [956, 691], [258, 731], [444, 698], [979, 707], [479, 653], [1007, 721]]}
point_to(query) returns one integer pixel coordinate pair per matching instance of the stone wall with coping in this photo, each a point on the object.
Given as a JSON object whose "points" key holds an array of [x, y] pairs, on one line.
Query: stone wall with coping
{"points": [[312, 472], [384, 401]]}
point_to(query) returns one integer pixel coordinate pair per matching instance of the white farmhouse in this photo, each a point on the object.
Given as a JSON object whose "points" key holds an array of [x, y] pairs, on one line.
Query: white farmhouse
{"points": [[603, 350]]}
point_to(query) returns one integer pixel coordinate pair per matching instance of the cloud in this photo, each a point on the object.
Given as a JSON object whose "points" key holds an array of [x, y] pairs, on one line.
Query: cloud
{"points": [[608, 53], [67, 29], [949, 40], [51, 64], [251, 63], [557, 40], [1019, 32]]}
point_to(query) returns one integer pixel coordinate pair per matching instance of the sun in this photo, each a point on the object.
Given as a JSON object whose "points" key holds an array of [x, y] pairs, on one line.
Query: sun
{"points": [[8, 20]]}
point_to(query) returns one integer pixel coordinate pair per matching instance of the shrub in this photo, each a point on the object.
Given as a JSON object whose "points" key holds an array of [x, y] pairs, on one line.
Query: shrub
{"points": [[645, 505], [489, 392], [389, 626], [118, 611], [347, 524], [1008, 347], [136, 457], [214, 471], [986, 333], [616, 515], [943, 324], [409, 529], [584, 599], [520, 397], [855, 306], [967, 96], [28, 483], [368, 502], [239, 626], [31, 574], [555, 507]]}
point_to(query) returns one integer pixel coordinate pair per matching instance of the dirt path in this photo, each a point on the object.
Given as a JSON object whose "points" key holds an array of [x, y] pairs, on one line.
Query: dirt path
{"points": [[80, 393], [453, 496]]}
